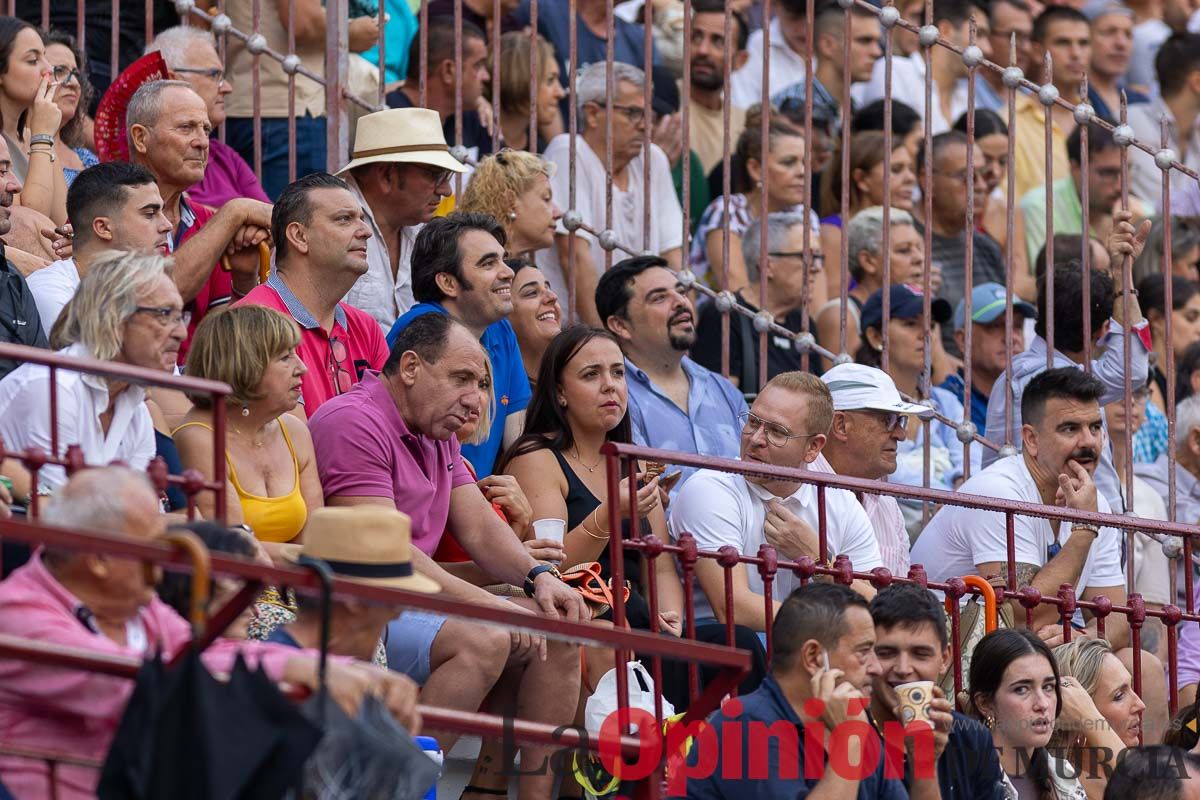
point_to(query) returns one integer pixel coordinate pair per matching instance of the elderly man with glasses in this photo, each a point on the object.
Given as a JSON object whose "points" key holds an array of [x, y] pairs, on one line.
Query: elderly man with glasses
{"points": [[870, 420], [191, 56], [786, 427]]}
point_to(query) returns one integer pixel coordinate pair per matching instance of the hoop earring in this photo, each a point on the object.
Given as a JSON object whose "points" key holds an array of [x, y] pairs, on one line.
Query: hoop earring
{"points": [[245, 411]]}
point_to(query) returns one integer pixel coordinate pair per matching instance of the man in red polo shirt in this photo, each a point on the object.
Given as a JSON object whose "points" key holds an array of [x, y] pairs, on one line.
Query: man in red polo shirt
{"points": [[168, 134], [320, 237]]}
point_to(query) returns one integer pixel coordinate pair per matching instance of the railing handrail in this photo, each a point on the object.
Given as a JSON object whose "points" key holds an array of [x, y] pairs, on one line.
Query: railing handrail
{"points": [[900, 491], [113, 369]]}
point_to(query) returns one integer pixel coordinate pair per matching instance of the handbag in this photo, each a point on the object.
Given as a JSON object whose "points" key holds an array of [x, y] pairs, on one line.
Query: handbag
{"points": [[594, 588]]}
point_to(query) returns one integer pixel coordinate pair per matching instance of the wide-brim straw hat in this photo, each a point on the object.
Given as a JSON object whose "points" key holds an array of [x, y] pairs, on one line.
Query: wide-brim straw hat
{"points": [[402, 135], [364, 544]]}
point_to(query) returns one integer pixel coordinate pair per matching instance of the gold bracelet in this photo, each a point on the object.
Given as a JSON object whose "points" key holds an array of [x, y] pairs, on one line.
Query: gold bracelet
{"points": [[601, 535], [47, 151]]}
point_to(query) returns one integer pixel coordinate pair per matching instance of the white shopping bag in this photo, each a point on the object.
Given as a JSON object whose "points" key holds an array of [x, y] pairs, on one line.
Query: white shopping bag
{"points": [[603, 701]]}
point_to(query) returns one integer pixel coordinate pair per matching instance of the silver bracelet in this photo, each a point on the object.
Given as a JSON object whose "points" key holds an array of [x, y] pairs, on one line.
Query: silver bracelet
{"points": [[41, 138]]}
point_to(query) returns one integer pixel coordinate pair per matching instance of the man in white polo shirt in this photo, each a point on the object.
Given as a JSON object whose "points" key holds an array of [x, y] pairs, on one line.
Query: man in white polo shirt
{"points": [[786, 427], [1062, 434]]}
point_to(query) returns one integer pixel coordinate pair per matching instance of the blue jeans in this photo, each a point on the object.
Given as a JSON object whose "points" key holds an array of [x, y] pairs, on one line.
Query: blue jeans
{"points": [[310, 148]]}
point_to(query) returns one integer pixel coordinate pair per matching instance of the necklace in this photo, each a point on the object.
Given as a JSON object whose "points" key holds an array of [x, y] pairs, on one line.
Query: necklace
{"points": [[252, 440], [579, 460]]}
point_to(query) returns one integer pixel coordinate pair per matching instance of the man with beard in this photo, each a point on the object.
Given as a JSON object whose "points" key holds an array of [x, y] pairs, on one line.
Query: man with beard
{"points": [[706, 98], [674, 403], [19, 320], [459, 269], [1104, 192], [1063, 434]]}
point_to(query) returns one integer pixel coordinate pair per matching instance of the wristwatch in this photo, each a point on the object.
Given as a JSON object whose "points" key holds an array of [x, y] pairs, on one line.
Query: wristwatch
{"points": [[535, 572]]}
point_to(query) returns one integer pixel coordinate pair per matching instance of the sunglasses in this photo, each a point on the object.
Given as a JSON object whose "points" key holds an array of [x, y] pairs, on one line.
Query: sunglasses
{"points": [[342, 380]]}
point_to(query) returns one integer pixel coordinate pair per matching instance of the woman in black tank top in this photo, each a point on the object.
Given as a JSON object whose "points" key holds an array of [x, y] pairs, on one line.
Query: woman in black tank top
{"points": [[579, 404]]}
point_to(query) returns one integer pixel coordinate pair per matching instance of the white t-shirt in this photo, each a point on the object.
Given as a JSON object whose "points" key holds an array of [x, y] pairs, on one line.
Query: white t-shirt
{"points": [[957, 538], [720, 508], [591, 185], [52, 288]]}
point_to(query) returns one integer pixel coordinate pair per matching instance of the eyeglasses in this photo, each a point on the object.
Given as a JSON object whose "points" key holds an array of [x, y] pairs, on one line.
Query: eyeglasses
{"points": [[777, 435], [166, 315], [818, 259], [634, 114], [342, 380], [64, 74], [440, 177], [890, 419], [215, 73]]}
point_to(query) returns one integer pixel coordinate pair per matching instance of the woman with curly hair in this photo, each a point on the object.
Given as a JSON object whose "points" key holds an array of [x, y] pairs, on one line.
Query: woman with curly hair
{"points": [[513, 186]]}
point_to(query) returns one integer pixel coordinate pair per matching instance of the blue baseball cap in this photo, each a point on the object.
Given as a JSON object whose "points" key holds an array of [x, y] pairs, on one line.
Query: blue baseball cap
{"points": [[988, 301], [907, 302]]}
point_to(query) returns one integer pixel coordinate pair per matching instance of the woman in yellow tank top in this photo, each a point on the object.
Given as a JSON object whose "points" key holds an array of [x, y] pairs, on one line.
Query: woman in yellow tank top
{"points": [[272, 473]]}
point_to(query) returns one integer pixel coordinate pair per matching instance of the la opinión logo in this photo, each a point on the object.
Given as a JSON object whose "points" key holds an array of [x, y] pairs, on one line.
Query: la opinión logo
{"points": [[744, 748]]}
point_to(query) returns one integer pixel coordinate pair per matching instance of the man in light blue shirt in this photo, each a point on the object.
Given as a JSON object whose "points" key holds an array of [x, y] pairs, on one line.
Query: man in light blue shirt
{"points": [[674, 403]]}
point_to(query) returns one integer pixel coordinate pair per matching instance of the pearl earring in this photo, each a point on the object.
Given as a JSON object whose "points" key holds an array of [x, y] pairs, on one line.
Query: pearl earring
{"points": [[512, 215], [245, 411]]}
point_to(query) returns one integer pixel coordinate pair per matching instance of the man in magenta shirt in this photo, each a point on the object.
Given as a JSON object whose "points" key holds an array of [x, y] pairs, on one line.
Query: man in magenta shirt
{"points": [[320, 251], [390, 441], [108, 606]]}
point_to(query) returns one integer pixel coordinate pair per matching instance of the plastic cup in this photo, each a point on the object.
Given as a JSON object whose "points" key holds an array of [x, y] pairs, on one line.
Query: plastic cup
{"points": [[555, 529], [916, 701]]}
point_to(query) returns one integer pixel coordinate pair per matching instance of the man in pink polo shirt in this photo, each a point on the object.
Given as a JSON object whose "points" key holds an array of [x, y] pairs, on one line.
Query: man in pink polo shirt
{"points": [[390, 441], [320, 251]]}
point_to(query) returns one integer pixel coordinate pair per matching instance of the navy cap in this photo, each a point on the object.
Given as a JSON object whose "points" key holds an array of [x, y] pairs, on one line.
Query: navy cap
{"points": [[908, 302], [988, 301]]}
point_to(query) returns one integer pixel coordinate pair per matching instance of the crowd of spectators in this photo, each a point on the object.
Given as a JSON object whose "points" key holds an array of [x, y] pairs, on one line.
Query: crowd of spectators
{"points": [[429, 346]]}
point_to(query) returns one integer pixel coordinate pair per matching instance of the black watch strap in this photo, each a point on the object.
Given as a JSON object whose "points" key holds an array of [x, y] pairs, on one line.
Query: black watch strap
{"points": [[535, 572]]}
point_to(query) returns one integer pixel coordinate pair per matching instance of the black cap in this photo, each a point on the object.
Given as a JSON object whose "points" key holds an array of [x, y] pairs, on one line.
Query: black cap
{"points": [[907, 302], [665, 98]]}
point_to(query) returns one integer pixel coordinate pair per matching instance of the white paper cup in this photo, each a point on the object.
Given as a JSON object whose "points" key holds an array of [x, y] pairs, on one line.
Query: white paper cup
{"points": [[555, 529]]}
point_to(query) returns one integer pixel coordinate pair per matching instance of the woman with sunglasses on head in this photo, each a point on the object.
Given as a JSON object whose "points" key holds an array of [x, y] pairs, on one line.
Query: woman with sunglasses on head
{"points": [[1014, 689], [906, 329], [74, 96], [271, 469]]}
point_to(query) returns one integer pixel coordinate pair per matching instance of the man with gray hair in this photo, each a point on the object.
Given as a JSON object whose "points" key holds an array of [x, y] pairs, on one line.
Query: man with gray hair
{"points": [[786, 275], [191, 56], [168, 129], [630, 127], [127, 310], [107, 605]]}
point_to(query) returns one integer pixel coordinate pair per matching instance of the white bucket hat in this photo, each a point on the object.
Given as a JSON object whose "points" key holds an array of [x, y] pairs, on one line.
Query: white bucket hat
{"points": [[402, 135]]}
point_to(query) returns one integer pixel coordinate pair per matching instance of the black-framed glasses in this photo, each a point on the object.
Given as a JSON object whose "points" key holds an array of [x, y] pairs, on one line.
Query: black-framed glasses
{"points": [[342, 380], [64, 74], [818, 259], [215, 73], [634, 114], [777, 435], [166, 315]]}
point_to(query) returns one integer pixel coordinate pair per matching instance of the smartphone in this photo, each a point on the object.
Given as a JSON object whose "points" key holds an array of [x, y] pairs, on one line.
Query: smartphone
{"points": [[668, 481], [825, 659]]}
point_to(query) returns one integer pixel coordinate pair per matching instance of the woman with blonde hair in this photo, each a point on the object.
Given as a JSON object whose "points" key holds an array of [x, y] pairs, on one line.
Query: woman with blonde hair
{"points": [[515, 78], [271, 483], [514, 187], [1095, 682]]}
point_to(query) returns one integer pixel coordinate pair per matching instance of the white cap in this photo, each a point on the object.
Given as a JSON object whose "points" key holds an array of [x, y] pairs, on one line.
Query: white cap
{"points": [[855, 387]]}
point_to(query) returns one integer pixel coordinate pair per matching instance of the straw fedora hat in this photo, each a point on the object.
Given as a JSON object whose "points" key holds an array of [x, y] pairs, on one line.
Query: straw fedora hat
{"points": [[365, 544], [404, 135]]}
